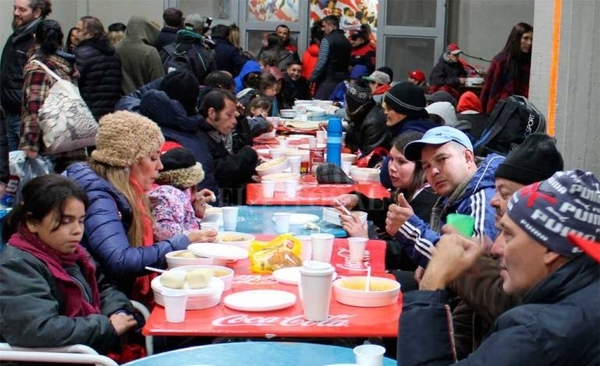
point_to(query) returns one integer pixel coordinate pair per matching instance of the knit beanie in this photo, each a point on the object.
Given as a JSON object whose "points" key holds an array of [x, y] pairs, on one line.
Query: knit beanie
{"points": [[124, 137], [180, 169], [441, 96], [357, 96], [405, 98], [567, 202], [182, 86], [536, 159]]}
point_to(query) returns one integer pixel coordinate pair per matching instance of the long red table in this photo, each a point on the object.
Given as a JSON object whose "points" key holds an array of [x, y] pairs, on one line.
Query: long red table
{"points": [[313, 194], [344, 321]]}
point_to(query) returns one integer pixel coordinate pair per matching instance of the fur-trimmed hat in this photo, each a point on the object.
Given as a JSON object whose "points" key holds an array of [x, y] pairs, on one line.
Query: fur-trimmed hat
{"points": [[124, 137], [180, 169]]}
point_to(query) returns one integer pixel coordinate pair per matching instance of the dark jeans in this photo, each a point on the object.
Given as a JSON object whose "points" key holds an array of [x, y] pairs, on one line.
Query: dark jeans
{"points": [[324, 89], [13, 130]]}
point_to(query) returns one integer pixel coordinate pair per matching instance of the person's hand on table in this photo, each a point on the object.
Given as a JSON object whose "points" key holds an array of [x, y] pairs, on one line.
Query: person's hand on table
{"points": [[122, 323], [453, 256], [201, 199], [202, 236], [347, 200], [397, 215], [353, 226]]}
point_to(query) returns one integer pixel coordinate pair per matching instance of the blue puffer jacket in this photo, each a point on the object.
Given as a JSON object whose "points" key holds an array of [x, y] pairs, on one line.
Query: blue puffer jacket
{"points": [[249, 66], [177, 126], [558, 324], [416, 236], [108, 218]]}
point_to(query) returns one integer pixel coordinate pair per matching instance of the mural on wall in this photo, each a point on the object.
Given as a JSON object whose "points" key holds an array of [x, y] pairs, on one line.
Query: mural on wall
{"points": [[352, 13], [273, 10]]}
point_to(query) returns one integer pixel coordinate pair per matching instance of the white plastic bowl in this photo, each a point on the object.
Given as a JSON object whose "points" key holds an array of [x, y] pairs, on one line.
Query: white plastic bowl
{"points": [[332, 216], [174, 260], [241, 240], [273, 166], [350, 291], [197, 298], [364, 174], [287, 113]]}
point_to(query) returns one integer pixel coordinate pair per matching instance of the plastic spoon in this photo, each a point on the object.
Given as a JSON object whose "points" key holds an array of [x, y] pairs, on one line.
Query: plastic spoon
{"points": [[157, 270], [342, 207], [368, 281]]}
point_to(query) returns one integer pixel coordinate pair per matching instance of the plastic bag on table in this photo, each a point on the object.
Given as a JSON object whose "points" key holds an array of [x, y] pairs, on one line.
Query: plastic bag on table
{"points": [[283, 251]]}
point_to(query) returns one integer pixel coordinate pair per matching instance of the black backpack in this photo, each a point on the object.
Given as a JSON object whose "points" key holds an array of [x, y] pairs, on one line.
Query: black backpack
{"points": [[178, 57], [512, 120]]}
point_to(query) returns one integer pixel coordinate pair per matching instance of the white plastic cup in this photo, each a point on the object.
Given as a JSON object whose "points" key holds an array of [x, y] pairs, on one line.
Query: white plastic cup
{"points": [[277, 153], [346, 166], [291, 188], [275, 121], [306, 253], [369, 355], [175, 304], [268, 188], [312, 142], [283, 143], [282, 222], [322, 247], [315, 289], [322, 137], [209, 225], [357, 247], [230, 216], [295, 163]]}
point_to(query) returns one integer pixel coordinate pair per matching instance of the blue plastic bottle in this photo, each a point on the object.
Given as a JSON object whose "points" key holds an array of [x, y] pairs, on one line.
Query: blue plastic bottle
{"points": [[334, 141]]}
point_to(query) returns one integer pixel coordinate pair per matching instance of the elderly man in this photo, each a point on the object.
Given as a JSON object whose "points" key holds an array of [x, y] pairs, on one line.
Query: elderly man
{"points": [[560, 287], [447, 157], [27, 14]]}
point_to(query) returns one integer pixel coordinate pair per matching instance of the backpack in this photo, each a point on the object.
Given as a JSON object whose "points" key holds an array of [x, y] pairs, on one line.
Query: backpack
{"points": [[511, 121], [179, 58]]}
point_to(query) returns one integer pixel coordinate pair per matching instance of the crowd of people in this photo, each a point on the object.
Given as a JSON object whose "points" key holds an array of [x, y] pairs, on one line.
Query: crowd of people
{"points": [[178, 109]]}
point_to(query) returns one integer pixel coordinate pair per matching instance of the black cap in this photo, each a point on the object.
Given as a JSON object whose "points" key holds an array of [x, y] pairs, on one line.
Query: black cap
{"points": [[536, 159], [184, 87]]}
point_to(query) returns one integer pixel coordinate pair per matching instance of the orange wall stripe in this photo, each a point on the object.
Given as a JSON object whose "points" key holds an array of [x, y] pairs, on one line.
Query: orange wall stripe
{"points": [[553, 87]]}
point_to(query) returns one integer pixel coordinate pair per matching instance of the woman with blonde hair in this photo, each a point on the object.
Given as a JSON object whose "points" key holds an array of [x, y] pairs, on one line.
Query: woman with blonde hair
{"points": [[118, 224]]}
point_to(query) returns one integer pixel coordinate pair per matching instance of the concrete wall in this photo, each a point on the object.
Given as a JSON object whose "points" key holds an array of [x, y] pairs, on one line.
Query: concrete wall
{"points": [[577, 83], [480, 27]]}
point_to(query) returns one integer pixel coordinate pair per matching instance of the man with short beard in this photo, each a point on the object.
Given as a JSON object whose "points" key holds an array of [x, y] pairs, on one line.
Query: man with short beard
{"points": [[27, 14]]}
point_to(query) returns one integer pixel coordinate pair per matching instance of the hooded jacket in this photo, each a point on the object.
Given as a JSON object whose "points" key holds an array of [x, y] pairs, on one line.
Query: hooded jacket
{"points": [[100, 73], [177, 126], [309, 60], [419, 239], [107, 221], [446, 73], [556, 325], [249, 67], [14, 58], [140, 61]]}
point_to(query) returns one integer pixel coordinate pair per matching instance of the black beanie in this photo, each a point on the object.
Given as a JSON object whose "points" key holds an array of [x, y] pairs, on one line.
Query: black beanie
{"points": [[536, 159], [357, 96], [180, 168], [182, 86], [406, 98]]}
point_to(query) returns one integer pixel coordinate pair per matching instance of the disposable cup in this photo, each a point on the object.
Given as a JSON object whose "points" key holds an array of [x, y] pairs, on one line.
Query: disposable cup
{"points": [[230, 216], [322, 247], [306, 247], [462, 223], [282, 222], [312, 142], [283, 143], [277, 152], [322, 137], [291, 188], [346, 167], [315, 289], [295, 162], [209, 225], [175, 303], [268, 188], [357, 248], [275, 121], [369, 355]]}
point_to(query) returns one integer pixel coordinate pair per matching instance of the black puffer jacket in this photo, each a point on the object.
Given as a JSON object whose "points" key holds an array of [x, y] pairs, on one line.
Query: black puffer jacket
{"points": [[367, 130], [447, 73], [99, 67], [14, 58]]}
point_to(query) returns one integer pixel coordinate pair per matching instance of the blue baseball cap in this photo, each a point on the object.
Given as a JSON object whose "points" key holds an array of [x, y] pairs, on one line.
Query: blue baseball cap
{"points": [[436, 136]]}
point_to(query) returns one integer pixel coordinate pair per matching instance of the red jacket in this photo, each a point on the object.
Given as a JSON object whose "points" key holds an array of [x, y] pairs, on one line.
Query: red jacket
{"points": [[309, 60]]}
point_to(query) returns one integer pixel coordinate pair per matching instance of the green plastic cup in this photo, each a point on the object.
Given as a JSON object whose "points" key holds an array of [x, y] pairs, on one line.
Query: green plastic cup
{"points": [[462, 223]]}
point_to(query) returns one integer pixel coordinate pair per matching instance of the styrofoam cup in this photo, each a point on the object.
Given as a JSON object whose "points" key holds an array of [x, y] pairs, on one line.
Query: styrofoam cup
{"points": [[230, 216], [268, 188], [282, 222], [312, 142], [175, 304], [277, 153], [346, 166], [315, 289], [209, 225], [283, 143], [295, 162], [291, 187], [306, 247], [369, 355], [322, 247], [357, 247], [322, 137]]}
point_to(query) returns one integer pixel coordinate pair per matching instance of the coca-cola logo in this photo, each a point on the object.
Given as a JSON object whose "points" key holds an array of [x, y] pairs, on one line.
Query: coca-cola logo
{"points": [[341, 320]]}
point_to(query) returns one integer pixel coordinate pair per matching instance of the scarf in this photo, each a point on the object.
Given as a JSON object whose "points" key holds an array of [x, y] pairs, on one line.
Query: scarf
{"points": [[76, 303], [440, 209], [142, 290]]}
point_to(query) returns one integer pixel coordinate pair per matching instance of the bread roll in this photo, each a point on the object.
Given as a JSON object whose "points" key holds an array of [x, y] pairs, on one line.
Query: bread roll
{"points": [[173, 279], [199, 278]]}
